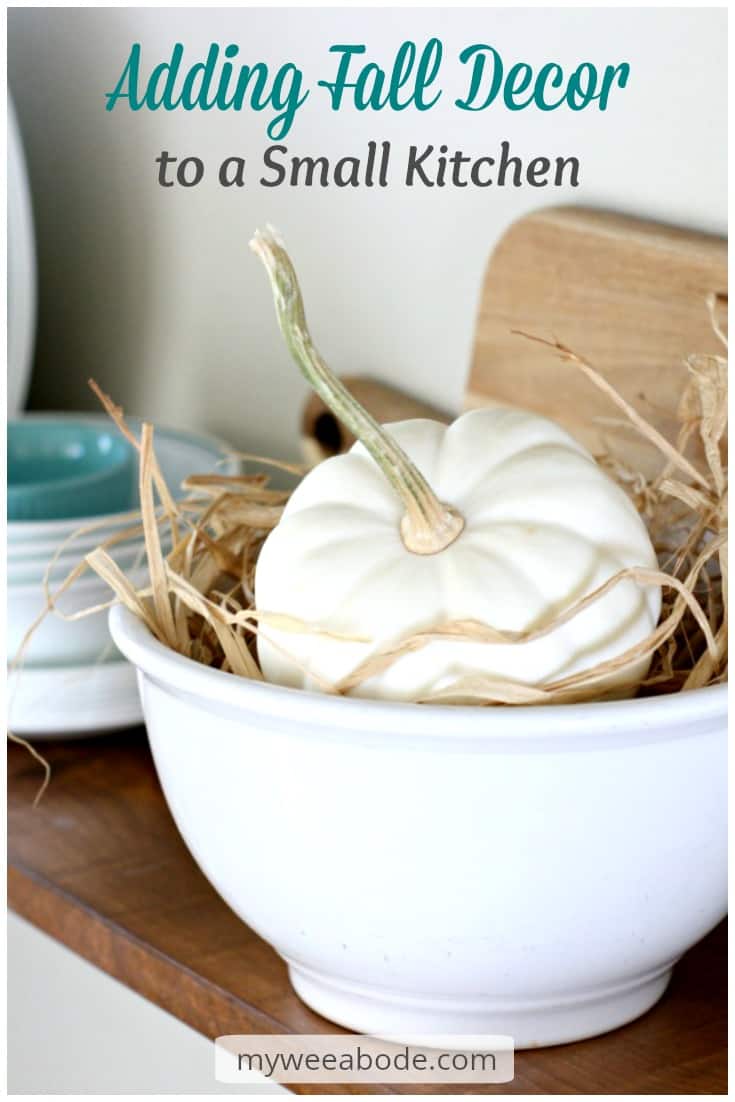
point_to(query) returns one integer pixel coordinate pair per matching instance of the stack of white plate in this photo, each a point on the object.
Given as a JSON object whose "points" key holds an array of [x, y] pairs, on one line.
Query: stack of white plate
{"points": [[68, 678]]}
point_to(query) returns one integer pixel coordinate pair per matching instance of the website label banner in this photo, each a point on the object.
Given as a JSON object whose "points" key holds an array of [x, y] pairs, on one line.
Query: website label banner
{"points": [[355, 1058]]}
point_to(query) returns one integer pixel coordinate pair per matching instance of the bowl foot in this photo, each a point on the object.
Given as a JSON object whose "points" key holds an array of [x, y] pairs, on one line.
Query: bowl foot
{"points": [[532, 1023]]}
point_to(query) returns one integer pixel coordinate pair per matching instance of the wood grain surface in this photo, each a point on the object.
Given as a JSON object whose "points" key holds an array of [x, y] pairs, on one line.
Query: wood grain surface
{"points": [[100, 866], [627, 295]]}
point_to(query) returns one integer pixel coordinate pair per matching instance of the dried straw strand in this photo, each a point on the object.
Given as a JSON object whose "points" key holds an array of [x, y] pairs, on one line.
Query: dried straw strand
{"points": [[200, 597]]}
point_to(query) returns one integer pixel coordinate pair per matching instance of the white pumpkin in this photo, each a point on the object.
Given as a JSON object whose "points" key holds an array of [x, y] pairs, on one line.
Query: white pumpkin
{"points": [[501, 518]]}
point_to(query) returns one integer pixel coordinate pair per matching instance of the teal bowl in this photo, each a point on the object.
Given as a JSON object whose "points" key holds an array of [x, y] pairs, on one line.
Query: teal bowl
{"points": [[61, 469]]}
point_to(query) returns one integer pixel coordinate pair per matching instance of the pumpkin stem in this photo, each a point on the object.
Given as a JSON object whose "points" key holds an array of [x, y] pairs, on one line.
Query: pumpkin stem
{"points": [[428, 525]]}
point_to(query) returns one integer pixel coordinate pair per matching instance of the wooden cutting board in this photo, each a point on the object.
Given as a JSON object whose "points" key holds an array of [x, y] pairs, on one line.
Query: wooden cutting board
{"points": [[626, 294]]}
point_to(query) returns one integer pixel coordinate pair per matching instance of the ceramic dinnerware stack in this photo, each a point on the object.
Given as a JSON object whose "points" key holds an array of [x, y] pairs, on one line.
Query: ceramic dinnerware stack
{"points": [[63, 502]]}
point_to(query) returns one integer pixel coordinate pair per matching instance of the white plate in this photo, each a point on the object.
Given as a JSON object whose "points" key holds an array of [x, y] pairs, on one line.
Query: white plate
{"points": [[21, 272], [22, 550], [179, 454], [84, 701], [32, 571], [26, 569], [66, 689], [57, 642]]}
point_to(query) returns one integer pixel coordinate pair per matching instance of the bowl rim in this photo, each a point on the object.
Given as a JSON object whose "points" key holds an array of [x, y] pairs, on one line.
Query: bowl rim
{"points": [[656, 716], [73, 482]]}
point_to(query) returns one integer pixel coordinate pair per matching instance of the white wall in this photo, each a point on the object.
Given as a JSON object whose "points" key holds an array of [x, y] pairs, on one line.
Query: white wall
{"points": [[154, 292], [74, 1030]]}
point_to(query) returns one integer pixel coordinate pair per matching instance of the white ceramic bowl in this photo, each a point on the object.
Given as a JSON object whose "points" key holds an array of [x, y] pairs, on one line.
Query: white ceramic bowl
{"points": [[179, 454], [525, 871]]}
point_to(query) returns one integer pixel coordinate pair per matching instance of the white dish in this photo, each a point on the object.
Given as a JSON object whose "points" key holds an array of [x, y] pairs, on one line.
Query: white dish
{"points": [[21, 269], [179, 454], [61, 651], [57, 642], [526, 871], [22, 550], [84, 701], [32, 570]]}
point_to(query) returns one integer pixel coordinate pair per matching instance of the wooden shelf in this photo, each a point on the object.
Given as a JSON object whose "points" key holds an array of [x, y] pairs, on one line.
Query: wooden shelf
{"points": [[99, 865]]}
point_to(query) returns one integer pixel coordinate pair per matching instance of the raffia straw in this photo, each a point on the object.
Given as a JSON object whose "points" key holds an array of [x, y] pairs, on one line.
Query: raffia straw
{"points": [[117, 415], [125, 592], [156, 564], [236, 512], [712, 301], [215, 483], [41, 761], [236, 652], [644, 428], [200, 597], [470, 631], [298, 469]]}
